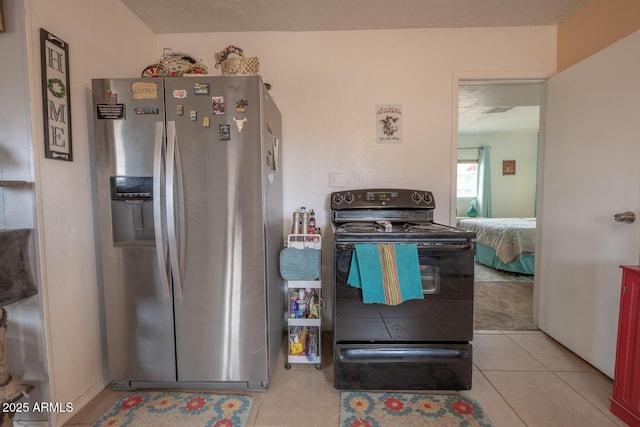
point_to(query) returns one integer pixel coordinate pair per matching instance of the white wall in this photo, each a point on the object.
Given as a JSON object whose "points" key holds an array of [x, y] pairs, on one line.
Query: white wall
{"points": [[105, 39], [513, 196], [327, 85]]}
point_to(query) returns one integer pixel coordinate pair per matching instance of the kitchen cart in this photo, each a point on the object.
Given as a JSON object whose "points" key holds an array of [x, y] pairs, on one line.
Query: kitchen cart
{"points": [[304, 299]]}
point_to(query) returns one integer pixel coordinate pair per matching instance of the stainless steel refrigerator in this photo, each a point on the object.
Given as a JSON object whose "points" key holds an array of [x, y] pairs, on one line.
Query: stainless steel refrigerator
{"points": [[189, 201]]}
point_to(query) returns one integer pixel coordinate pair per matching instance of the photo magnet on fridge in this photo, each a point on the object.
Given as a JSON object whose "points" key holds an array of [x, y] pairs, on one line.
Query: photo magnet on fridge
{"points": [[218, 104], [201, 89], [225, 132]]}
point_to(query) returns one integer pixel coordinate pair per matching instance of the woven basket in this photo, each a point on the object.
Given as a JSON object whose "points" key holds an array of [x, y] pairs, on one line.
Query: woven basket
{"points": [[240, 66]]}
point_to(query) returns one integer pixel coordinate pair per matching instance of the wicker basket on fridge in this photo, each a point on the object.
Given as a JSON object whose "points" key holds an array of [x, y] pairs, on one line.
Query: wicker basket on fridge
{"points": [[238, 65]]}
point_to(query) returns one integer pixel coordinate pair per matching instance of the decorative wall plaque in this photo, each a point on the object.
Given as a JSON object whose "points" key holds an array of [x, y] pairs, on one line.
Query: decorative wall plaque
{"points": [[508, 167], [389, 124], [56, 98]]}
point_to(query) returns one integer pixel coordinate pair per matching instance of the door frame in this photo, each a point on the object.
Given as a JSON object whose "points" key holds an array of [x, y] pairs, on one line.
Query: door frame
{"points": [[491, 78]]}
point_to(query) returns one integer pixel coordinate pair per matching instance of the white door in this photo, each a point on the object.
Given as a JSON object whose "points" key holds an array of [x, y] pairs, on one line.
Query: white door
{"points": [[591, 171]]}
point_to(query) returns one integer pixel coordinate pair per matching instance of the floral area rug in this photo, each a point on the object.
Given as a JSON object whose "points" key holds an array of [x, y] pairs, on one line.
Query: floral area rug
{"points": [[171, 409], [365, 409]]}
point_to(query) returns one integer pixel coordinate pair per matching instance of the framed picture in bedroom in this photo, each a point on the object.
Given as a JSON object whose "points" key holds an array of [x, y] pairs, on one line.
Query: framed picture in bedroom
{"points": [[1, 18], [508, 167]]}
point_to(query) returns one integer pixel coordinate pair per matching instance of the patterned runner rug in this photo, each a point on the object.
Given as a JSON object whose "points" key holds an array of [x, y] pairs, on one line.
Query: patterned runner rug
{"points": [[171, 409], [366, 409]]}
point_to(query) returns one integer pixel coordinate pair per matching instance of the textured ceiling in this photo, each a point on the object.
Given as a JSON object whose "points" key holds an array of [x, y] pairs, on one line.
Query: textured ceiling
{"points": [[188, 16], [520, 100]]}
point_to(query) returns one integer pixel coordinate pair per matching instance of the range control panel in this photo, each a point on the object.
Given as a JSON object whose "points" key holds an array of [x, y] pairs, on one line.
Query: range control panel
{"points": [[380, 198]]}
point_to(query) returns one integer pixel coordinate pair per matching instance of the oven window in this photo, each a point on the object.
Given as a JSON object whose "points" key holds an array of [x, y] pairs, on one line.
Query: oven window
{"points": [[430, 277], [430, 273]]}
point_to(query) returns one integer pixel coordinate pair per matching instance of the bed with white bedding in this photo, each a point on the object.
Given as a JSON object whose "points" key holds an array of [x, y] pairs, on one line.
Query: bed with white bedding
{"points": [[504, 243]]}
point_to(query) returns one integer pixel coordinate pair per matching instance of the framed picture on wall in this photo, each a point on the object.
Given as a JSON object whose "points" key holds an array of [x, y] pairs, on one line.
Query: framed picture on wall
{"points": [[508, 167]]}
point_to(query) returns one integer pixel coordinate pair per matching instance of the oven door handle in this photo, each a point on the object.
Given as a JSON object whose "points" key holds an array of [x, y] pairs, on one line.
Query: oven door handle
{"points": [[436, 246], [406, 355]]}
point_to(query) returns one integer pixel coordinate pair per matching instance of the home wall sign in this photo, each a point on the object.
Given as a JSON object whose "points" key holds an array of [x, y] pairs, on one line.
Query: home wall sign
{"points": [[56, 102]]}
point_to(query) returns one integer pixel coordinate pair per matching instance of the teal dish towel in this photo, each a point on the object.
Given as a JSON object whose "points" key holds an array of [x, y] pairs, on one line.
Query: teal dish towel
{"points": [[387, 273], [300, 264]]}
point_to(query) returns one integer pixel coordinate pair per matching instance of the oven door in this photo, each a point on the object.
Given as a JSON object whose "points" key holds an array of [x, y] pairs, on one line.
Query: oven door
{"points": [[406, 367], [444, 315], [419, 344]]}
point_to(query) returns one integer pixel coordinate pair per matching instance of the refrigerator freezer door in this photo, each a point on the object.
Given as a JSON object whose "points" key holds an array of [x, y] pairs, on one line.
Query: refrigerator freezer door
{"points": [[221, 317], [139, 316]]}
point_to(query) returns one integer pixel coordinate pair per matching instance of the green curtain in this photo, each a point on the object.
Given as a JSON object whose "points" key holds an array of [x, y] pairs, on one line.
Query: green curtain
{"points": [[484, 182], [535, 201]]}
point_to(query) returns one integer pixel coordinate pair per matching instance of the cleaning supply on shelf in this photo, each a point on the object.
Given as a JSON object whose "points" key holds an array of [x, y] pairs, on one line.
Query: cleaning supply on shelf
{"points": [[312, 222], [293, 305], [302, 308]]}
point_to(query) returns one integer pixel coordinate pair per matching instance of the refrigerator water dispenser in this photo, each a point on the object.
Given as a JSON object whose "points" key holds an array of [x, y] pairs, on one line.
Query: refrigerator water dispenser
{"points": [[132, 210]]}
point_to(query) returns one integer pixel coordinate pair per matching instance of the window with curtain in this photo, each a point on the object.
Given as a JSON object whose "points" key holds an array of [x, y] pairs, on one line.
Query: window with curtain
{"points": [[467, 178]]}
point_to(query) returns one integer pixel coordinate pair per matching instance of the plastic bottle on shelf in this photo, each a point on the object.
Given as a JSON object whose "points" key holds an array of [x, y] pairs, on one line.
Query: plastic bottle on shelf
{"points": [[312, 222], [302, 309], [293, 305]]}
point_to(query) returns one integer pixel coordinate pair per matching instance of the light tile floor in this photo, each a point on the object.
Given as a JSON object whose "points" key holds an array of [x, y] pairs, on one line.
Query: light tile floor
{"points": [[520, 379]]}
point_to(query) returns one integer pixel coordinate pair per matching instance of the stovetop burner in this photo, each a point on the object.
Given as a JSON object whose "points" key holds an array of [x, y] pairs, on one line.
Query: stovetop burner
{"points": [[388, 214], [359, 227], [424, 226]]}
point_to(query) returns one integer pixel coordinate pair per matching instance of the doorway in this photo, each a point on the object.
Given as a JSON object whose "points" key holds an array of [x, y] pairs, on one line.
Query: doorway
{"points": [[496, 194]]}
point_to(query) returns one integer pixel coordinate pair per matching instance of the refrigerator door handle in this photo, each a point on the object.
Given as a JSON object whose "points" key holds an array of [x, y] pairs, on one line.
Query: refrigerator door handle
{"points": [[171, 160], [157, 209], [182, 231]]}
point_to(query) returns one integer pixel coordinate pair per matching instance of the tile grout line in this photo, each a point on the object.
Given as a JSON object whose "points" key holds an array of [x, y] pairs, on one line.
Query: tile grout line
{"points": [[503, 398], [526, 351], [580, 394], [557, 376], [500, 394]]}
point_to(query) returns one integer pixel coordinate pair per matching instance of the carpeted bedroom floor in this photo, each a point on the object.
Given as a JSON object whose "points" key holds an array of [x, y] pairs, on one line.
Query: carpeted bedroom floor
{"points": [[502, 300], [488, 274]]}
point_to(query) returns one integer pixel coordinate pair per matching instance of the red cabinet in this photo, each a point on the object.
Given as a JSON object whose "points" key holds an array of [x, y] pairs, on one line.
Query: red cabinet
{"points": [[625, 402]]}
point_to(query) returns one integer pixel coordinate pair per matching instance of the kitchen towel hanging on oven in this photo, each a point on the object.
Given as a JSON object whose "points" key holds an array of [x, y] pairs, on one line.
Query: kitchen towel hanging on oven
{"points": [[387, 273]]}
